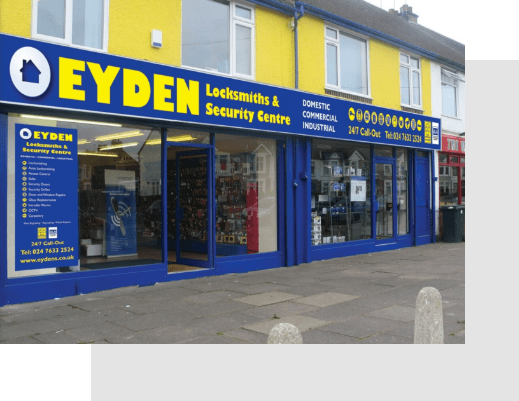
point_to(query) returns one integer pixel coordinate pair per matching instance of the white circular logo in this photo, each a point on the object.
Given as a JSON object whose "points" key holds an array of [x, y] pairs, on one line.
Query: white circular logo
{"points": [[30, 71], [25, 133]]}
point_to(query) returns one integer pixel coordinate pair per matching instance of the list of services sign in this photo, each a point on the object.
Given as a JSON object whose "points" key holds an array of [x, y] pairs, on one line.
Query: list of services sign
{"points": [[46, 197]]}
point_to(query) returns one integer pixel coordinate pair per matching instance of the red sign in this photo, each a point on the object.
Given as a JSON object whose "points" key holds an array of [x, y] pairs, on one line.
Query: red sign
{"points": [[453, 144]]}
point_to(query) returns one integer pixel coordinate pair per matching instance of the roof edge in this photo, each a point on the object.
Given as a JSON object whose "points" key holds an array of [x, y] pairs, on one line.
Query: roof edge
{"points": [[327, 16]]}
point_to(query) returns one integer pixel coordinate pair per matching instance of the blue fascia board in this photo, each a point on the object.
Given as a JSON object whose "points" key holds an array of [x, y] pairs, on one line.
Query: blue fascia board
{"points": [[274, 5], [354, 26]]}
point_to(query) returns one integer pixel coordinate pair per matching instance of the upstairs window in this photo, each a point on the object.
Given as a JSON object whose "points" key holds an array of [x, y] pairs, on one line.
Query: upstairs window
{"points": [[449, 94], [82, 23], [218, 36], [410, 81], [346, 62]]}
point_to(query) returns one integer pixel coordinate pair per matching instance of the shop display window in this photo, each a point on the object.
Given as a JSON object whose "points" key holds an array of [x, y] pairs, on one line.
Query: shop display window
{"points": [[341, 188], [118, 183], [246, 195], [452, 179]]}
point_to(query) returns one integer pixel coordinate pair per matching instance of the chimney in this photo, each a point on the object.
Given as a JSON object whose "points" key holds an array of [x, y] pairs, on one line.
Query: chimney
{"points": [[407, 13]]}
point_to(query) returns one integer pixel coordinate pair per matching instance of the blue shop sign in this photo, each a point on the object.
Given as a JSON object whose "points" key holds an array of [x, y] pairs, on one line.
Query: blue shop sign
{"points": [[46, 213], [48, 75]]}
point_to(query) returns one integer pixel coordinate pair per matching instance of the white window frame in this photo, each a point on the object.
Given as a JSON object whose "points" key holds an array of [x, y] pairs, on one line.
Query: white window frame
{"points": [[68, 27], [410, 71], [456, 90], [336, 43], [235, 20]]}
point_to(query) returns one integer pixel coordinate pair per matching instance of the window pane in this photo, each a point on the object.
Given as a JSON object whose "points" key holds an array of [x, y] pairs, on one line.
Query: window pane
{"points": [[416, 88], [384, 151], [415, 63], [246, 195], [449, 186], [449, 100], [242, 12], [454, 159], [463, 185], [87, 23], [331, 65], [462, 160], [442, 158], [404, 85], [119, 209], [402, 193], [404, 59], [205, 35], [421, 153], [340, 202], [353, 65], [331, 33], [51, 18], [243, 50]]}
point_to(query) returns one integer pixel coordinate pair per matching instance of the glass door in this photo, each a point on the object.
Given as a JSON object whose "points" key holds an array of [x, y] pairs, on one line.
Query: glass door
{"points": [[188, 211], [384, 201]]}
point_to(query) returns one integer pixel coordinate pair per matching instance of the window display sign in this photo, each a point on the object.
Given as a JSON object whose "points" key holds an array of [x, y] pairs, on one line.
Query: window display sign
{"points": [[49, 75], [358, 189], [121, 220], [46, 197]]}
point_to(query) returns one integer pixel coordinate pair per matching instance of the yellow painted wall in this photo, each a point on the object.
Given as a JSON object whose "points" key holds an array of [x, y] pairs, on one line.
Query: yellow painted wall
{"points": [[385, 74], [426, 86], [311, 54], [274, 48], [15, 17], [131, 22]]}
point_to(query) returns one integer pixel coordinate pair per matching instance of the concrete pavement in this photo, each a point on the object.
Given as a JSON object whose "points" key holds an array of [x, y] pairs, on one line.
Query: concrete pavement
{"points": [[365, 299]]}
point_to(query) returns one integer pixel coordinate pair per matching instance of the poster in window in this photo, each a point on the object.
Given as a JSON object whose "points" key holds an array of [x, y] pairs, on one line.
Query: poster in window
{"points": [[358, 189]]}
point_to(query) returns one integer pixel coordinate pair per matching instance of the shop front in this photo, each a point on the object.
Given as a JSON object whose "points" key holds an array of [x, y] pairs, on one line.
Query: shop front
{"points": [[118, 172]]}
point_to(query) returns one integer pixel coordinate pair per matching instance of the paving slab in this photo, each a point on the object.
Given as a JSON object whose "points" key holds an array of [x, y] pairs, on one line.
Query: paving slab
{"points": [[279, 310], [362, 326], [164, 294], [217, 308], [337, 313], [28, 329], [152, 320], [215, 296], [58, 337], [319, 336], [248, 336], [267, 298], [360, 289], [100, 331], [43, 314], [402, 330], [213, 339], [396, 312], [303, 323], [97, 304], [325, 299], [90, 318], [221, 323], [306, 290], [384, 338], [161, 335], [21, 340]]}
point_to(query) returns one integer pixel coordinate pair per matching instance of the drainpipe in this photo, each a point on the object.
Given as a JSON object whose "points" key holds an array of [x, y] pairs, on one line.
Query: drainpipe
{"points": [[301, 12]]}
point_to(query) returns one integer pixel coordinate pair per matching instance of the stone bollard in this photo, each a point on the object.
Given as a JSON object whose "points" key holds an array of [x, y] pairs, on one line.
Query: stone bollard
{"points": [[428, 322], [285, 333]]}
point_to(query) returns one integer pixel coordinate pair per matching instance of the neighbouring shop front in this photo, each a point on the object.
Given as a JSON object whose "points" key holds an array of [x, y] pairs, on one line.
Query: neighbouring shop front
{"points": [[119, 172]]}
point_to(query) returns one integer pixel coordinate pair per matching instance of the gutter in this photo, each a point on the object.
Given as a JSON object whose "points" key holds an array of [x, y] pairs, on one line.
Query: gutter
{"points": [[354, 26]]}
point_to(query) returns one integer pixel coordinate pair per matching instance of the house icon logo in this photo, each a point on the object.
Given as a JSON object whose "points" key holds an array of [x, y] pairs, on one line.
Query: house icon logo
{"points": [[30, 71]]}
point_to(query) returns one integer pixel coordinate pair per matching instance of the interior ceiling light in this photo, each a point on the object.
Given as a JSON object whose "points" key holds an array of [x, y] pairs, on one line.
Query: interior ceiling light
{"points": [[120, 135], [69, 120], [82, 142], [119, 145], [97, 154], [182, 138]]}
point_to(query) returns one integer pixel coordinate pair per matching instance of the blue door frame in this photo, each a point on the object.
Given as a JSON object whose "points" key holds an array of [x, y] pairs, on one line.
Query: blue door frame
{"points": [[424, 207], [375, 208]]}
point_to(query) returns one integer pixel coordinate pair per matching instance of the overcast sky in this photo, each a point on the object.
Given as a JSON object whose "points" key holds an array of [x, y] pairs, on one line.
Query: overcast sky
{"points": [[443, 16]]}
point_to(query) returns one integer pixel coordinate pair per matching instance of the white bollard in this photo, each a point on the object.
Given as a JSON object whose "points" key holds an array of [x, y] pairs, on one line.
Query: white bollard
{"points": [[428, 322], [285, 333]]}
